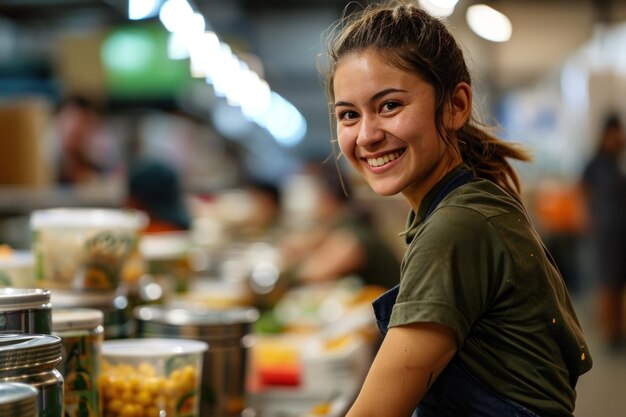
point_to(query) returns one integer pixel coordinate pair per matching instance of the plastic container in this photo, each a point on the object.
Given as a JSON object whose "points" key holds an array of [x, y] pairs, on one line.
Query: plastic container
{"points": [[117, 320], [167, 258], [17, 400], [82, 334], [84, 248], [156, 376], [16, 270], [32, 359], [24, 310], [228, 333]]}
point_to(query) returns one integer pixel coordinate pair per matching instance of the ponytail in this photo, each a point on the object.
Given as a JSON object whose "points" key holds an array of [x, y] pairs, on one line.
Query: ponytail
{"points": [[488, 156]]}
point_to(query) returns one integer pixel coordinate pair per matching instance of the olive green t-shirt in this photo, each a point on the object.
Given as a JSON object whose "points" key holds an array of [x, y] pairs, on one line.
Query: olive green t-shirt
{"points": [[477, 265]]}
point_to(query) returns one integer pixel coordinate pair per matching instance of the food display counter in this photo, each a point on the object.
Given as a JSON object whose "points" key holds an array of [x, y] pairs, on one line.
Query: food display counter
{"points": [[303, 354]]}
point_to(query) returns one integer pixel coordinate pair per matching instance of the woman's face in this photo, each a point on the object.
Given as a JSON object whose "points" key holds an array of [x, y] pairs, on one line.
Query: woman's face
{"points": [[386, 127]]}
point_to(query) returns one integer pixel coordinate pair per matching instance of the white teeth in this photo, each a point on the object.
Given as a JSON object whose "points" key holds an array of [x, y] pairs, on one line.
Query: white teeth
{"points": [[376, 162]]}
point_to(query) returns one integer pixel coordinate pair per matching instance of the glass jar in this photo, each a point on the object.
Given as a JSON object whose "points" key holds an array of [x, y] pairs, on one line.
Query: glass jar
{"points": [[82, 334], [17, 400], [25, 310], [31, 359]]}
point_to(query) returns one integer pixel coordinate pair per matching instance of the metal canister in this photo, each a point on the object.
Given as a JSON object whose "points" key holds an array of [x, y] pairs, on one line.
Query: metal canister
{"points": [[82, 334], [17, 400], [229, 335], [24, 310], [31, 359], [117, 322]]}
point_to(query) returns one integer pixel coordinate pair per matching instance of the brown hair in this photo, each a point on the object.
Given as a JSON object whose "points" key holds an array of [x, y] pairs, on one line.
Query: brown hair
{"points": [[412, 40]]}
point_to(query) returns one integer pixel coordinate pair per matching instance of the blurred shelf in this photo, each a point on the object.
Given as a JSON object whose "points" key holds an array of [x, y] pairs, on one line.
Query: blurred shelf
{"points": [[18, 200]]}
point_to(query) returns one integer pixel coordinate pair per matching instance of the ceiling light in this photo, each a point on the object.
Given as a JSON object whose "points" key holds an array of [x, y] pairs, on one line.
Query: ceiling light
{"points": [[142, 9], [176, 15], [489, 23], [439, 8]]}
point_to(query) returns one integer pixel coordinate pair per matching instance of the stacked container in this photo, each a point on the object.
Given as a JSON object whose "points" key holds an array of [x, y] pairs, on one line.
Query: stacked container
{"points": [[18, 400], [32, 359], [228, 334], [82, 334], [25, 311]]}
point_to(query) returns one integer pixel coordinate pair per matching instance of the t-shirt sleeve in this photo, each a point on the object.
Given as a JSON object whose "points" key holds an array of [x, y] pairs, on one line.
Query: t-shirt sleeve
{"points": [[449, 272]]}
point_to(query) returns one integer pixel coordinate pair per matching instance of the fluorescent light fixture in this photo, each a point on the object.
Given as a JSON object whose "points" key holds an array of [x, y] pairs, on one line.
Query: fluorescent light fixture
{"points": [[142, 9], [284, 122], [489, 23], [177, 46], [175, 15], [439, 8], [202, 51], [230, 77], [258, 100]]}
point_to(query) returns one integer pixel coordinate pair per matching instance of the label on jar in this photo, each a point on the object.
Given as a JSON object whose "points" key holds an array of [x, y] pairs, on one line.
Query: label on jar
{"points": [[80, 369]]}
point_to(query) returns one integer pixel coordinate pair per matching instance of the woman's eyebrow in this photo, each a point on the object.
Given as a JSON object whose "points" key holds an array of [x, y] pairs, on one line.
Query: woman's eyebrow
{"points": [[375, 97]]}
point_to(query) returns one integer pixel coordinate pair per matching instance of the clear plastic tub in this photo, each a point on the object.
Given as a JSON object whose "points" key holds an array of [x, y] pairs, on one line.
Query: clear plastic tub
{"points": [[153, 376], [84, 248]]}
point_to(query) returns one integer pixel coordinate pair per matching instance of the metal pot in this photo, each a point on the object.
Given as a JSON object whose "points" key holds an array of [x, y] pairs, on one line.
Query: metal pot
{"points": [[228, 333]]}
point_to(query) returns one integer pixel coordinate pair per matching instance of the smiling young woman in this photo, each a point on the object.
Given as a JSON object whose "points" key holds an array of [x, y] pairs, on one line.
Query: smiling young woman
{"points": [[386, 125], [481, 323]]}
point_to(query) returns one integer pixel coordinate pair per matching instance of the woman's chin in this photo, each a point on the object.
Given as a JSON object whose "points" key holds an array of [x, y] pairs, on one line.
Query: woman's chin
{"points": [[384, 191]]}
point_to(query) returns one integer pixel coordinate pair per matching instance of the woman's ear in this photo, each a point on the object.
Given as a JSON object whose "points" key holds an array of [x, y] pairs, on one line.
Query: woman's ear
{"points": [[460, 107]]}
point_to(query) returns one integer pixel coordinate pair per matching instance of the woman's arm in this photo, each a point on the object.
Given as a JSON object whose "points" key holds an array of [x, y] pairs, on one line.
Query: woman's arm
{"points": [[409, 360]]}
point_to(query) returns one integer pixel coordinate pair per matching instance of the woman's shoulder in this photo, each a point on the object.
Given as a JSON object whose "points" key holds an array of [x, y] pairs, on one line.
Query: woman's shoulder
{"points": [[480, 197]]}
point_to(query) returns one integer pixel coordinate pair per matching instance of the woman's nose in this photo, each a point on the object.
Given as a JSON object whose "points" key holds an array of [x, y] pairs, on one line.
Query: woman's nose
{"points": [[370, 132]]}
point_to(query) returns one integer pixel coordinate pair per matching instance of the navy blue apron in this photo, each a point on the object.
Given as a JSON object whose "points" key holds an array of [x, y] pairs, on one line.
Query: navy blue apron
{"points": [[455, 393]]}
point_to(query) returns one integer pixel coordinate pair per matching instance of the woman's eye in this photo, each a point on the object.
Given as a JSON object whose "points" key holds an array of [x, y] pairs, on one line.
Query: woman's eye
{"points": [[348, 115], [390, 105]]}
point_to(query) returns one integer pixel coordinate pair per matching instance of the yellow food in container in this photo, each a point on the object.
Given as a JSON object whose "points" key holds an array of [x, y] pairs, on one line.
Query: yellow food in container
{"points": [[151, 377]]}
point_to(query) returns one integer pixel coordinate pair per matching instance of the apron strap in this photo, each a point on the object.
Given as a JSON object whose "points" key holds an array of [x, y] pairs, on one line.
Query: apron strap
{"points": [[383, 305]]}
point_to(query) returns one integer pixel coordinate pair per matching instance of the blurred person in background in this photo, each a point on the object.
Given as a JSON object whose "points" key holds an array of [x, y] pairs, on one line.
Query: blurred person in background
{"points": [[266, 221], [481, 323], [343, 240], [155, 188], [604, 188], [86, 152]]}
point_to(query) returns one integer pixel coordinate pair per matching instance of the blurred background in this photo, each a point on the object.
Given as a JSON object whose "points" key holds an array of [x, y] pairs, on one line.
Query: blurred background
{"points": [[217, 109]]}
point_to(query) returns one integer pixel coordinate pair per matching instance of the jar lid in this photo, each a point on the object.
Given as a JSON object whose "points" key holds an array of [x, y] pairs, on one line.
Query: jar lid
{"points": [[211, 317], [65, 319], [72, 217], [23, 298], [151, 347], [22, 351], [17, 399], [84, 299]]}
